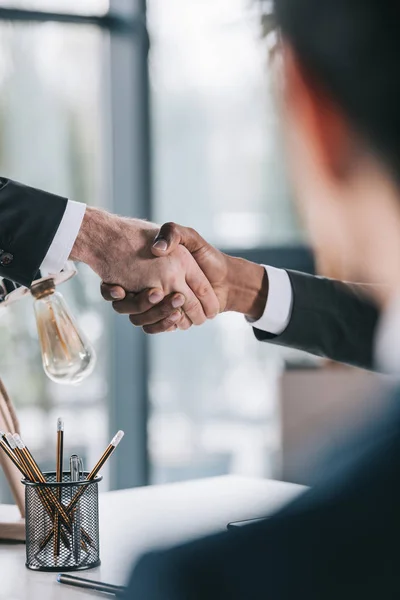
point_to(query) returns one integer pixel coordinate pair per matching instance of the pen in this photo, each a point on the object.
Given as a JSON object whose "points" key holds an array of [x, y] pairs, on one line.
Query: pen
{"points": [[75, 464], [59, 477], [98, 586]]}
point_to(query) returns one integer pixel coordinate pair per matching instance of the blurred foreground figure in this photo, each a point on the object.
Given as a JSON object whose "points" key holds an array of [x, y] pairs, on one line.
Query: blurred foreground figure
{"points": [[340, 105]]}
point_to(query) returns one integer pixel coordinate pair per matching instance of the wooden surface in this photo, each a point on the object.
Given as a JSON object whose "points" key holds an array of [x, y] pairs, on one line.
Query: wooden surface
{"points": [[132, 521], [9, 423], [12, 526]]}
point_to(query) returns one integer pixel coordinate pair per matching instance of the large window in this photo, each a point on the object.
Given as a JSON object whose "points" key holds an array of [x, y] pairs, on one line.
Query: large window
{"points": [[217, 161], [71, 117], [75, 108], [52, 137], [217, 166]]}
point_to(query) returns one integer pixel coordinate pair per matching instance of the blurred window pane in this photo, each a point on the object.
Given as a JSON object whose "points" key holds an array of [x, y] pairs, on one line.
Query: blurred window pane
{"points": [[52, 137], [217, 160], [82, 7], [218, 168]]}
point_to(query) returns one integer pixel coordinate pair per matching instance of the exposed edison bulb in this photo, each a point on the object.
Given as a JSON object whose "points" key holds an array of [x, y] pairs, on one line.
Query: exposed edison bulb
{"points": [[67, 355]]}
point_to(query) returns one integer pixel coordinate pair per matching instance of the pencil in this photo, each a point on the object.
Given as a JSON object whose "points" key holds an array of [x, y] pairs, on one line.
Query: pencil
{"points": [[59, 477], [69, 508], [18, 445], [105, 456], [4, 445], [37, 475]]}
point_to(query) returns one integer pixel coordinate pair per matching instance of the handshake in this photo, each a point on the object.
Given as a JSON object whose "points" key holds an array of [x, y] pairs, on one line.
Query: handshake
{"points": [[166, 278]]}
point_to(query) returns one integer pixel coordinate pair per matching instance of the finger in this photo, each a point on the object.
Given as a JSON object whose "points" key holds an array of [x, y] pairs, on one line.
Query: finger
{"points": [[171, 235], [140, 303], [163, 310], [141, 315], [185, 323], [202, 290], [193, 308], [163, 325], [112, 292]]}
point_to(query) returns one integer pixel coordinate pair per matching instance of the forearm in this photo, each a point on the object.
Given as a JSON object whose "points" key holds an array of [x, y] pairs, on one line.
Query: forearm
{"points": [[90, 244], [106, 240]]}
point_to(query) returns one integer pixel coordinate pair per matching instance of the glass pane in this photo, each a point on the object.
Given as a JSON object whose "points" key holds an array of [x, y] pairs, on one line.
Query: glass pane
{"points": [[217, 161], [217, 167], [81, 7], [51, 136]]}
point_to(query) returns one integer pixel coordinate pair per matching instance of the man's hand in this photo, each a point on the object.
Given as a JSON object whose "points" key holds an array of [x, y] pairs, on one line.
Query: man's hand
{"points": [[239, 285], [119, 251]]}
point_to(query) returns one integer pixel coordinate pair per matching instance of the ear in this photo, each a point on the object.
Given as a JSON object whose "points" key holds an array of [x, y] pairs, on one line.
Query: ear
{"points": [[323, 126]]}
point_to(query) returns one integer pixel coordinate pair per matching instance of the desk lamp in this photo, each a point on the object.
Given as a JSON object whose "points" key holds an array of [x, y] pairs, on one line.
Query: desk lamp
{"points": [[67, 356]]}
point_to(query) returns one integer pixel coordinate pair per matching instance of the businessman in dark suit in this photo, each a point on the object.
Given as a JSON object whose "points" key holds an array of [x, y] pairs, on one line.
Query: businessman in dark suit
{"points": [[340, 100], [40, 231], [322, 316]]}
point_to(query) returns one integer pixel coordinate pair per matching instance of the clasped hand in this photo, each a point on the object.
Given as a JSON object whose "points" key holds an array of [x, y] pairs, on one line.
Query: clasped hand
{"points": [[195, 284]]}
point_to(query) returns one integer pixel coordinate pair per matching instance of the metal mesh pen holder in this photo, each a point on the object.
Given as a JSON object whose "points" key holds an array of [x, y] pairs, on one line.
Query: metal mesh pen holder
{"points": [[62, 524]]}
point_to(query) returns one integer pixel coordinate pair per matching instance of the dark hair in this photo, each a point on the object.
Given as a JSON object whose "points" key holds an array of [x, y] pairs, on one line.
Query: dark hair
{"points": [[352, 49]]}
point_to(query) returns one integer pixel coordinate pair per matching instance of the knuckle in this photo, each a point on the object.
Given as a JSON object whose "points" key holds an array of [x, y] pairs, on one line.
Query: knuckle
{"points": [[200, 320], [192, 232], [119, 307], [166, 309], [192, 305], [135, 320], [170, 226], [203, 290], [149, 330]]}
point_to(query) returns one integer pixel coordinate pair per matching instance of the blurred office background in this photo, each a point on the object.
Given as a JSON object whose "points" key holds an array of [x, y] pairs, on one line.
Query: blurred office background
{"points": [[187, 133]]}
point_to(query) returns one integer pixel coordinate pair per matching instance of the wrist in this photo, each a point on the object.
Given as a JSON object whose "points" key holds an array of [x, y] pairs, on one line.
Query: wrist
{"points": [[247, 287], [89, 245]]}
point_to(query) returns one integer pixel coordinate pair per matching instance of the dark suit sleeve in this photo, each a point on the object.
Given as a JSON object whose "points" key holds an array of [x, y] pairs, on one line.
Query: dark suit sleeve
{"points": [[329, 318], [29, 219]]}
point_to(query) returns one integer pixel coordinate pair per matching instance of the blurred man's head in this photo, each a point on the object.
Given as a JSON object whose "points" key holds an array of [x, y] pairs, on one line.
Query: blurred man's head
{"points": [[342, 109]]}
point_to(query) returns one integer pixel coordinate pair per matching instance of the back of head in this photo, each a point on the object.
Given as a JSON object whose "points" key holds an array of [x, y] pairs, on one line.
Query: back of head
{"points": [[352, 49]]}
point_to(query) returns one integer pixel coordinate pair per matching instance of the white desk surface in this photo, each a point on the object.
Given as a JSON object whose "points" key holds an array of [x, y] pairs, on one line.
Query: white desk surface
{"points": [[132, 521]]}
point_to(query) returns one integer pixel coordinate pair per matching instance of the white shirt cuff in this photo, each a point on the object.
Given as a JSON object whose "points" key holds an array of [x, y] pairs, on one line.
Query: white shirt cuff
{"points": [[64, 239], [278, 309]]}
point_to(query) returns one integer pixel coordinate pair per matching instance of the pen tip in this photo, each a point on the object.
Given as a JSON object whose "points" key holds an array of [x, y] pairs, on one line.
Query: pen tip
{"points": [[59, 578], [60, 424], [117, 438]]}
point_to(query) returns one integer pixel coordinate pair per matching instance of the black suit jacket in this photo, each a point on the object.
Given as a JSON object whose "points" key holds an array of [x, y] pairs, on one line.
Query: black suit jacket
{"points": [[330, 318], [29, 219], [339, 540]]}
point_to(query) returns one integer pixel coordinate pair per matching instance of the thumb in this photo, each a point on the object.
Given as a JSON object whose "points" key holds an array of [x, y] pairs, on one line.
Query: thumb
{"points": [[171, 235]]}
